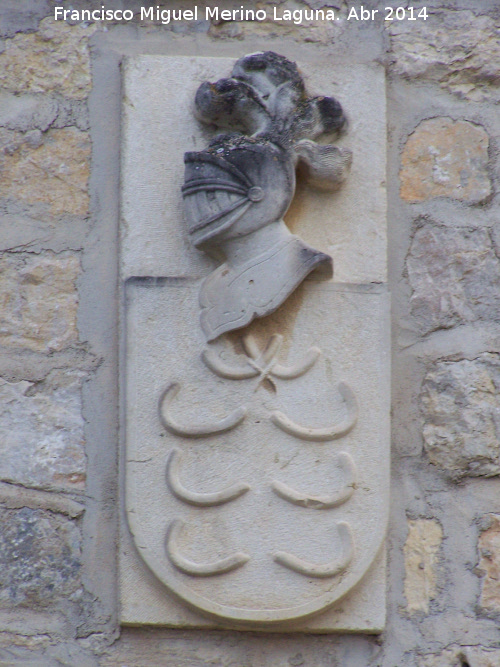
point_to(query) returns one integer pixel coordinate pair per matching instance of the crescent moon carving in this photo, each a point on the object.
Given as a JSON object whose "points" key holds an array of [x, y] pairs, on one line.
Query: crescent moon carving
{"points": [[328, 432], [196, 431], [199, 569], [194, 498]]}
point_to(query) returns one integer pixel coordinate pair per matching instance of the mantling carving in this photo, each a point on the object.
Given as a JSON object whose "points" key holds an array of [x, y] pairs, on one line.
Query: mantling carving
{"points": [[238, 190]]}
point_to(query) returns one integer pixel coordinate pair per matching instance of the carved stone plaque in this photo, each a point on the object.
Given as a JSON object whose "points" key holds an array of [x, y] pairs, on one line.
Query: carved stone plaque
{"points": [[255, 457]]}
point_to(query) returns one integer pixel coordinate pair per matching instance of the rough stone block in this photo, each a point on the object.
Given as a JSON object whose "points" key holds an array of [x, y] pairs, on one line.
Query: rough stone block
{"points": [[34, 643], [457, 49], [38, 300], [308, 30], [461, 408], [421, 554], [462, 656], [51, 169], [489, 565], [13, 496], [16, 18], [40, 555], [446, 158], [41, 432], [455, 277], [54, 59], [26, 112]]}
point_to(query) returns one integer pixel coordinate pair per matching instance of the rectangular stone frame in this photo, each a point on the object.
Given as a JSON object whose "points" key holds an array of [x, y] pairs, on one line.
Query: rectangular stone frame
{"points": [[154, 245]]}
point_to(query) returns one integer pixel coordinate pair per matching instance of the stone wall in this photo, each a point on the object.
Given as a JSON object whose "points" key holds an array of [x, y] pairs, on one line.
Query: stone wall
{"points": [[59, 194]]}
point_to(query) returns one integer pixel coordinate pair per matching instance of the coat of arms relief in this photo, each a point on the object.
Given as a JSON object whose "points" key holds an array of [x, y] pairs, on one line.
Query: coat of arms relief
{"points": [[255, 394]]}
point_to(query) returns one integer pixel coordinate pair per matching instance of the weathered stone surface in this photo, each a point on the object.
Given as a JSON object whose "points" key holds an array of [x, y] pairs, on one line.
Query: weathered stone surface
{"points": [[456, 49], [421, 554], [138, 647], [41, 432], [462, 656], [39, 112], [12, 496], [50, 168], [54, 59], [72, 112], [301, 26], [445, 158], [10, 640], [26, 112], [38, 301], [40, 556], [455, 277], [489, 565], [461, 407], [15, 17]]}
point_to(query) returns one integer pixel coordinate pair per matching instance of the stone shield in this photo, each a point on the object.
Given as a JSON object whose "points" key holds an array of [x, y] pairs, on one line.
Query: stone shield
{"points": [[256, 466]]}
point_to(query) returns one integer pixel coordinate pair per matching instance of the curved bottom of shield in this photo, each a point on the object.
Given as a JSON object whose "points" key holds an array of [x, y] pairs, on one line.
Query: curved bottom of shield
{"points": [[344, 580]]}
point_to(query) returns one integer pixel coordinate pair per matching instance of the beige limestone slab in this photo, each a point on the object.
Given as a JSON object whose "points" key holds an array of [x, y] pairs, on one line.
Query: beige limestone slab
{"points": [[281, 428], [159, 127], [349, 326]]}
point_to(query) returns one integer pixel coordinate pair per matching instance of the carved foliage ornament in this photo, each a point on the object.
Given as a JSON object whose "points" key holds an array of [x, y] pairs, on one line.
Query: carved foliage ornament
{"points": [[238, 190]]}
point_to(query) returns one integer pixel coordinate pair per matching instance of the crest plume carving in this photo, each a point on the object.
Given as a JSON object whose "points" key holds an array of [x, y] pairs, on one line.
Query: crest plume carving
{"points": [[238, 190]]}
